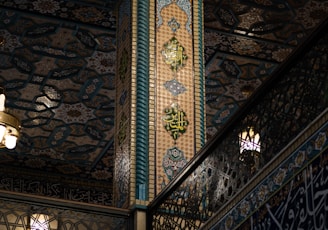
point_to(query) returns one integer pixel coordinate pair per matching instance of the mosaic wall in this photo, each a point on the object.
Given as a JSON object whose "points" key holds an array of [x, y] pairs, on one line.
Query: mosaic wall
{"points": [[58, 63], [225, 186], [16, 215], [245, 41], [123, 110], [293, 196], [59, 81], [301, 203], [92, 12], [176, 104]]}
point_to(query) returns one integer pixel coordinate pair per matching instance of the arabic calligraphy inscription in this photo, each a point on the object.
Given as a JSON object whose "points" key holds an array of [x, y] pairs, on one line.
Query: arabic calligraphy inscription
{"points": [[174, 54], [175, 121]]}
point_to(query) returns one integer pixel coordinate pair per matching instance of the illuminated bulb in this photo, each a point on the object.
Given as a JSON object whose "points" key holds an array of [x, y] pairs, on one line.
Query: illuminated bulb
{"points": [[9, 126], [10, 141], [2, 102], [39, 221], [249, 140]]}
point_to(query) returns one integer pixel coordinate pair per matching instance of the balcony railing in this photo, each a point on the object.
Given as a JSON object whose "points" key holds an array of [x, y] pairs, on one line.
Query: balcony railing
{"points": [[26, 211], [277, 112]]}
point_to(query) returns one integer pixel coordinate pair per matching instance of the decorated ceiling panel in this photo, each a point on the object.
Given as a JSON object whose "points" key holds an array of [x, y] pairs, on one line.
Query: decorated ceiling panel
{"points": [[59, 81], [58, 68], [245, 41]]}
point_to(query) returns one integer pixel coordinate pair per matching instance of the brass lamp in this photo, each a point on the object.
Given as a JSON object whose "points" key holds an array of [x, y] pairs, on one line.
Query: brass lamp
{"points": [[9, 125]]}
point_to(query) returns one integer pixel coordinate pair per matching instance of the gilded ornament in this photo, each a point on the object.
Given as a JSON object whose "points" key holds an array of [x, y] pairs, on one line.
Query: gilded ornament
{"points": [[175, 121], [174, 54]]}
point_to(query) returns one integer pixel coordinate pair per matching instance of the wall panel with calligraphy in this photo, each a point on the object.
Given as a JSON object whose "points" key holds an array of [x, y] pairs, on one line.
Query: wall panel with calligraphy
{"points": [[290, 193], [301, 204]]}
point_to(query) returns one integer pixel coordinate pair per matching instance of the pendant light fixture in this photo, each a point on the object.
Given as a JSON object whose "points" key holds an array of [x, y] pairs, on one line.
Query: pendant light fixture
{"points": [[9, 125]]}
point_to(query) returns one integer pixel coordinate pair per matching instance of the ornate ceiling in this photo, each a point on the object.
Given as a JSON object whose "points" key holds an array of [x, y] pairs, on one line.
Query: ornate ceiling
{"points": [[58, 68]]}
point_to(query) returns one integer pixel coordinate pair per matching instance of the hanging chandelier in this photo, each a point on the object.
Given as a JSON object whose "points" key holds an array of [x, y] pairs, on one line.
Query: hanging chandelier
{"points": [[9, 125]]}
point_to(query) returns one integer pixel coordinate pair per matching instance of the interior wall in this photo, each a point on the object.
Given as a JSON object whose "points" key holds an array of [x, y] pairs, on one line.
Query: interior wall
{"points": [[16, 215], [291, 193]]}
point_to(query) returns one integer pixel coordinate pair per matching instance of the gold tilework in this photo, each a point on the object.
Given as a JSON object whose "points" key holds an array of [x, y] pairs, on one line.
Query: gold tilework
{"points": [[159, 139], [199, 76], [164, 99], [152, 101]]}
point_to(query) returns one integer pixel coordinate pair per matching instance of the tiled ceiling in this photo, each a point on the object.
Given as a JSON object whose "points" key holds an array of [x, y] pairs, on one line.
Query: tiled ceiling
{"points": [[58, 68]]}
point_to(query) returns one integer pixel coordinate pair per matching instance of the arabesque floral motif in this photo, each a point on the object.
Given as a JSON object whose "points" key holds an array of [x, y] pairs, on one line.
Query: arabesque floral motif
{"points": [[280, 55], [102, 62], [75, 113], [173, 162], [300, 158], [310, 15], [279, 178], [46, 6], [174, 25], [245, 46], [102, 174], [90, 14], [320, 141], [244, 208]]}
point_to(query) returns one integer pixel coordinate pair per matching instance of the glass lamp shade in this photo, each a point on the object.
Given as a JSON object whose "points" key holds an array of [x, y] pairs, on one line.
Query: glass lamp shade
{"points": [[249, 140], [9, 130], [39, 222], [250, 147], [2, 102], [10, 141], [9, 125]]}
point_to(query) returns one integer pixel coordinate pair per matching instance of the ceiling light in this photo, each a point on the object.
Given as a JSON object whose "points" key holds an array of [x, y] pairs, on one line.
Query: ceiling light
{"points": [[9, 125]]}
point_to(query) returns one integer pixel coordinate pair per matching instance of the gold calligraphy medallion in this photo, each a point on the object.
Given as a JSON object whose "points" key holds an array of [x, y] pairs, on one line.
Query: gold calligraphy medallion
{"points": [[175, 121], [174, 54]]}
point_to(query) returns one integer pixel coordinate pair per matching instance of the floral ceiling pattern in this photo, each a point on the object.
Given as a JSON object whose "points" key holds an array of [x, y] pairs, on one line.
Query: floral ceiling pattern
{"points": [[58, 63]]}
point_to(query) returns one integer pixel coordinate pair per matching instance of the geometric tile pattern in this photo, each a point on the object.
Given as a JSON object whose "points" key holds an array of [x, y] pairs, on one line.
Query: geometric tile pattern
{"points": [[16, 214], [175, 87], [283, 111], [302, 168], [177, 101], [59, 81], [173, 162], [244, 43], [57, 63]]}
